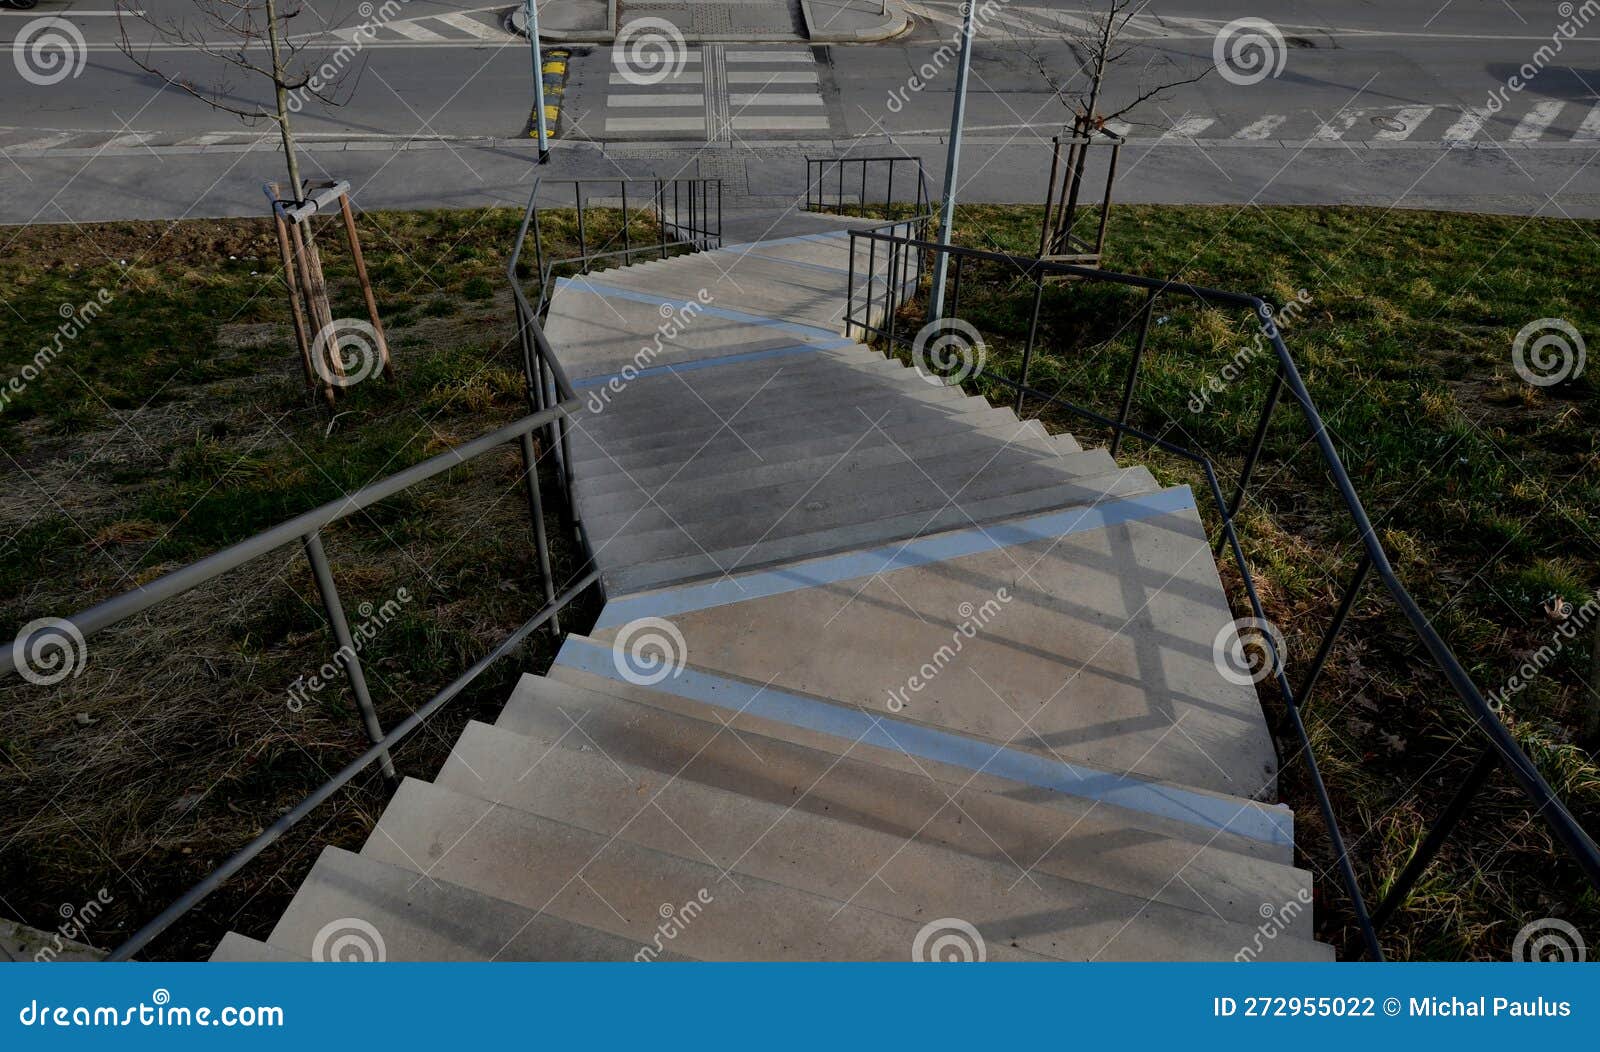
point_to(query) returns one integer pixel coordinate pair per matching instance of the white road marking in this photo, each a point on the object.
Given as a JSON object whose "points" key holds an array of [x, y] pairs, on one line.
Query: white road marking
{"points": [[682, 77], [44, 144], [1411, 116], [685, 99], [775, 99], [779, 123], [1469, 125], [412, 31], [1538, 119], [1589, 130], [764, 77], [1335, 127], [1189, 127], [764, 56], [131, 139], [471, 26], [1263, 128], [639, 124]]}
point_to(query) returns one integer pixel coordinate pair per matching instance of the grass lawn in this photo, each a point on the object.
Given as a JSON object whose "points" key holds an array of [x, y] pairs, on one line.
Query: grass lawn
{"points": [[176, 423]]}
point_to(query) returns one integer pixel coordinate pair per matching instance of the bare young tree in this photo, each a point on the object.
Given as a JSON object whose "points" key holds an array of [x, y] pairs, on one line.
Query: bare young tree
{"points": [[1095, 36], [228, 36], [215, 39]]}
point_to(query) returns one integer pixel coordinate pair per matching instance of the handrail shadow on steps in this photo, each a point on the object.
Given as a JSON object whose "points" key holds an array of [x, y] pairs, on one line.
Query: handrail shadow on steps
{"points": [[874, 315]]}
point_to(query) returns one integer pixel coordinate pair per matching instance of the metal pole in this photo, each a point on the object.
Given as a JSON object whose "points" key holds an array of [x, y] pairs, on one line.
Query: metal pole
{"points": [[347, 644], [538, 81], [947, 210]]}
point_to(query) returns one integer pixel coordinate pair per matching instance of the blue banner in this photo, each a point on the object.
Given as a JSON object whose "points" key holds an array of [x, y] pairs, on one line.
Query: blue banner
{"points": [[811, 1007]]}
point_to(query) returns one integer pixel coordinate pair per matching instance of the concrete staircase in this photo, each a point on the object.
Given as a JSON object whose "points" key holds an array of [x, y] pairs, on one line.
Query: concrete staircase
{"points": [[884, 673]]}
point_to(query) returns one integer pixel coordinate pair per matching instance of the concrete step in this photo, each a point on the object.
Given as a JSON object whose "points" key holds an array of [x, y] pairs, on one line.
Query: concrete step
{"points": [[728, 498], [780, 392], [854, 412], [596, 335], [719, 380], [667, 567], [236, 948], [820, 721], [777, 468], [761, 287], [427, 918], [987, 816], [834, 857], [831, 507], [904, 425], [1083, 635], [948, 461], [632, 892]]}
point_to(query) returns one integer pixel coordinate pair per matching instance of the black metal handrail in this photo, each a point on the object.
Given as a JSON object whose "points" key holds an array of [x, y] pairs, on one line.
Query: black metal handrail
{"points": [[687, 212], [307, 529], [1500, 747], [823, 171]]}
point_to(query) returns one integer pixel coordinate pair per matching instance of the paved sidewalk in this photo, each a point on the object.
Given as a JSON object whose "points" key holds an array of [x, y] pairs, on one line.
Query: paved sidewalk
{"points": [[722, 21]]}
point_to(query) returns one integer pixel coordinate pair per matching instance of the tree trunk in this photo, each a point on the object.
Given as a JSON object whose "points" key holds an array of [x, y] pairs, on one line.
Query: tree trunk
{"points": [[281, 97]]}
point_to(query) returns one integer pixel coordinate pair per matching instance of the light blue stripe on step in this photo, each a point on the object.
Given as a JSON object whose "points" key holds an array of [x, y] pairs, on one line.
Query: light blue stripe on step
{"points": [[938, 548], [711, 363], [1273, 825], [612, 292], [793, 240]]}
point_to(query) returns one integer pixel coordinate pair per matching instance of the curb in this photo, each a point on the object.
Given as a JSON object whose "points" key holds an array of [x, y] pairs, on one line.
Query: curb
{"points": [[515, 20], [896, 22]]}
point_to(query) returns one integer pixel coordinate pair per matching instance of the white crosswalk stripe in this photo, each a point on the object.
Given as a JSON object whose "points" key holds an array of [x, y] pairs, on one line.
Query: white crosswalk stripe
{"points": [[1263, 128], [1409, 118], [1589, 130], [470, 26], [1467, 126], [1189, 128], [778, 91], [1538, 119], [414, 31]]}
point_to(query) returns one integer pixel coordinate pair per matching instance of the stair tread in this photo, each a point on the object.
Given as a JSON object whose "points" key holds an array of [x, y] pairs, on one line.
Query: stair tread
{"points": [[418, 918], [585, 783], [616, 886]]}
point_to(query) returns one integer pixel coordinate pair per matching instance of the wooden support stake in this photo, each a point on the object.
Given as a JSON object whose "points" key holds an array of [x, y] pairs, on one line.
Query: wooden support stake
{"points": [[366, 283]]}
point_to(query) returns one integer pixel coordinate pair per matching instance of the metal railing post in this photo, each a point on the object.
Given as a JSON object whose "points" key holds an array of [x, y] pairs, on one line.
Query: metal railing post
{"points": [[1133, 371], [530, 468], [1033, 335], [1346, 604], [347, 647]]}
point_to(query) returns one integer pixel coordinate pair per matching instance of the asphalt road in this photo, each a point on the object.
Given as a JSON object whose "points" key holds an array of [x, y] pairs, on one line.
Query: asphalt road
{"points": [[1373, 103]]}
